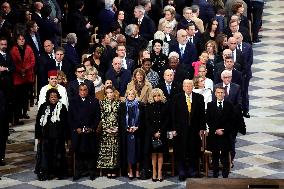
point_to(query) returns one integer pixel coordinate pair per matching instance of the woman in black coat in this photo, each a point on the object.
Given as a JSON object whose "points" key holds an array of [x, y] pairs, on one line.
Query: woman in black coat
{"points": [[131, 120], [51, 130], [156, 123]]}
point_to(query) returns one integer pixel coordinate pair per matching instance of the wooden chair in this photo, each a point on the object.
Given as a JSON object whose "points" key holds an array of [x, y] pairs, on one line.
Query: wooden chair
{"points": [[171, 161], [206, 154]]}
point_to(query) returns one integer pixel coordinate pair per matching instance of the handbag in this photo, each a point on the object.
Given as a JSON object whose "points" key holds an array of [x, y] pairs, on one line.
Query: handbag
{"points": [[156, 143]]}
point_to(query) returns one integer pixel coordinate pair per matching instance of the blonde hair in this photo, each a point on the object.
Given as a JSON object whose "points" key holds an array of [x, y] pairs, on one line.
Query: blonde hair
{"points": [[128, 91], [155, 92]]}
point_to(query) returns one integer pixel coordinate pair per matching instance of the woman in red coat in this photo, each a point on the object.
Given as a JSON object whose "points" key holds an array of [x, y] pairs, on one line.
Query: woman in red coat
{"points": [[23, 76]]}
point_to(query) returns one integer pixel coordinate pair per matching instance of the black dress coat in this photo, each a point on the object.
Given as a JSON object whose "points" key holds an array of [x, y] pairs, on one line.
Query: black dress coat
{"points": [[123, 134], [6, 81], [188, 126], [45, 64], [59, 129], [73, 88], [220, 119], [157, 119], [84, 114]]}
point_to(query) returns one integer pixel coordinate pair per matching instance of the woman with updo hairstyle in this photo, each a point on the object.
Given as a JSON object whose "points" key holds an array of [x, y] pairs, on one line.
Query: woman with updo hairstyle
{"points": [[52, 131], [199, 87], [141, 85], [159, 60], [169, 16]]}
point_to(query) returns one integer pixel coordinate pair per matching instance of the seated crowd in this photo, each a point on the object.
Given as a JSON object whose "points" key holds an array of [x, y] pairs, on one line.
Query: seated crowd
{"points": [[118, 99]]}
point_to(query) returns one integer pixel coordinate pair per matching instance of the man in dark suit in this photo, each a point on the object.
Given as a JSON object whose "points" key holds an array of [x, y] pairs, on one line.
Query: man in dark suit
{"points": [[232, 90], [237, 55], [187, 51], [84, 117], [169, 87], [127, 63], [106, 17], [63, 65], [33, 39], [70, 51], [179, 69], [206, 10], [145, 23], [220, 117], [247, 53], [229, 65], [234, 26], [72, 88], [233, 95], [188, 115], [5, 27], [79, 25], [46, 62], [7, 68], [119, 76], [9, 14], [49, 30], [186, 19], [194, 38]]}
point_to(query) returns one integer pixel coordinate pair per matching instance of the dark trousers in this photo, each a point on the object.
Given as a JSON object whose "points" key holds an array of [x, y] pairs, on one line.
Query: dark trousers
{"points": [[245, 95], [233, 144], [257, 10], [21, 101], [188, 167], [3, 140], [222, 155], [85, 164]]}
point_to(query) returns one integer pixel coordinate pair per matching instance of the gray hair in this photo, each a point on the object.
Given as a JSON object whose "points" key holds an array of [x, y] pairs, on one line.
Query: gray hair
{"points": [[185, 9], [108, 4], [173, 54], [140, 8], [129, 29], [71, 38], [159, 35], [226, 73], [195, 8]]}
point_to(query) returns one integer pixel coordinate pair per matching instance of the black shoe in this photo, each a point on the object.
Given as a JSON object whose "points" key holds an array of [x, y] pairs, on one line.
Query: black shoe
{"points": [[26, 116], [256, 41], [2, 162], [130, 178], [246, 114], [76, 177], [160, 180], [154, 180], [181, 178], [92, 177], [232, 165]]}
